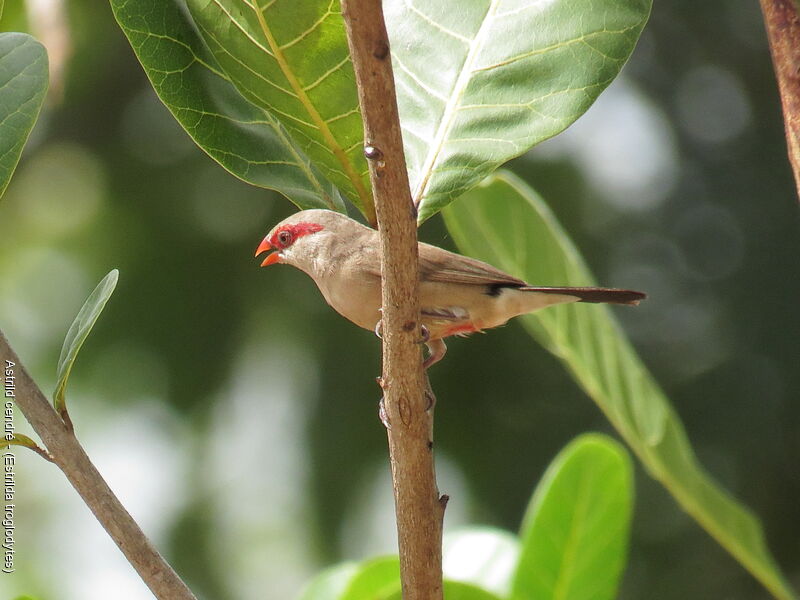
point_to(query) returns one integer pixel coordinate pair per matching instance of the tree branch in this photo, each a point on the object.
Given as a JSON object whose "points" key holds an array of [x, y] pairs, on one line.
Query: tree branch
{"points": [[783, 30], [70, 457], [408, 407]]}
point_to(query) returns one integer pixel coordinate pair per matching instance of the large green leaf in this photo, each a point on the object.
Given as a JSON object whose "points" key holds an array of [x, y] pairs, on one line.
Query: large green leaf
{"points": [[480, 82], [248, 141], [457, 590], [482, 556], [14, 17], [331, 583], [506, 223], [23, 83], [575, 531], [290, 57], [77, 334], [375, 579]]}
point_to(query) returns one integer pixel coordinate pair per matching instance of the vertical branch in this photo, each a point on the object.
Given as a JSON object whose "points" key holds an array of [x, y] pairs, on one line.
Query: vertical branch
{"points": [[70, 457], [407, 404], [782, 19]]}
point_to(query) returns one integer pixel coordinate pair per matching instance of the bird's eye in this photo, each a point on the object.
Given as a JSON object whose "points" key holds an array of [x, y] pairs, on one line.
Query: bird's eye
{"points": [[285, 238]]}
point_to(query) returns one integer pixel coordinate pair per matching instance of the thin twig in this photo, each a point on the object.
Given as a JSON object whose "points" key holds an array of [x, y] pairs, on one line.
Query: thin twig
{"points": [[70, 457], [782, 20], [417, 503]]}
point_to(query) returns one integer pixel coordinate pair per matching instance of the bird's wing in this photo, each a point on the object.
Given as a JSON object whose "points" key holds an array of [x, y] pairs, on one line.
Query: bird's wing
{"points": [[437, 264]]}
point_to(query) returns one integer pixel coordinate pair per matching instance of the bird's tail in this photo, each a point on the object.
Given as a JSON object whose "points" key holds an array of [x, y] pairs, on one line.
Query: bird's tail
{"points": [[592, 294]]}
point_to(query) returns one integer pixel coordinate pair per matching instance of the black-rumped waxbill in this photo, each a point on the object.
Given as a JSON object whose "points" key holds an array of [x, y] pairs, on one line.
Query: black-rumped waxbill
{"points": [[458, 295]]}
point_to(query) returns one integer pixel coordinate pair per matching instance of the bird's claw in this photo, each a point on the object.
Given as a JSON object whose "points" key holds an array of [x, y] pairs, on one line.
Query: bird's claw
{"points": [[425, 335], [431, 400], [436, 350], [382, 414]]}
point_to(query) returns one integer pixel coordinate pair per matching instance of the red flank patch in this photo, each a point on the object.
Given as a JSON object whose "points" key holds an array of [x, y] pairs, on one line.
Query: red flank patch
{"points": [[460, 330]]}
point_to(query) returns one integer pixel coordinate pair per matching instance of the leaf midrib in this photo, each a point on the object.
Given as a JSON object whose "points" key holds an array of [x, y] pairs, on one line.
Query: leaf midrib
{"points": [[451, 108], [319, 122]]}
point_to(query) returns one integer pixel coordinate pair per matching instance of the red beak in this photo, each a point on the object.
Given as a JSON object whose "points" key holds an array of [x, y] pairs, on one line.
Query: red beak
{"points": [[264, 246]]}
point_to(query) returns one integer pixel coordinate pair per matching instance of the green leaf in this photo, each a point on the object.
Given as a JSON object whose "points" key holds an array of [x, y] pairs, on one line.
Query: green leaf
{"points": [[15, 17], [480, 82], [23, 83], [482, 556], [292, 59], [246, 140], [77, 334], [507, 224], [375, 579], [457, 590], [19, 439], [331, 583], [576, 529]]}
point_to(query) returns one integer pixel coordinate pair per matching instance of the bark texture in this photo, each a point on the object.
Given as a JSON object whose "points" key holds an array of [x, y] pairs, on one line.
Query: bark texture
{"points": [[783, 30], [407, 397]]}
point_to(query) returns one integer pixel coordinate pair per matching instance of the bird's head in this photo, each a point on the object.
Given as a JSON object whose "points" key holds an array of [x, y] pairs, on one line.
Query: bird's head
{"points": [[300, 239]]}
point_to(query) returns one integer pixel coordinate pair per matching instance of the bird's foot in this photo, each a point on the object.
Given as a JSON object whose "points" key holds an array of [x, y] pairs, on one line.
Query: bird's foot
{"points": [[431, 400], [436, 351], [425, 335], [379, 325]]}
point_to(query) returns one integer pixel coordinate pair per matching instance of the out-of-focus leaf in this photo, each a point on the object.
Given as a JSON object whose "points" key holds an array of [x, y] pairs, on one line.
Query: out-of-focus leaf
{"points": [[576, 529], [23, 83], [78, 332], [375, 579], [457, 590], [292, 59], [480, 82], [246, 140], [18, 439], [481, 556], [506, 223], [331, 583], [15, 17]]}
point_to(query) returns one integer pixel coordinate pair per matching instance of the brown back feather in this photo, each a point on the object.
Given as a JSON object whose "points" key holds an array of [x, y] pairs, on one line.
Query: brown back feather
{"points": [[437, 264]]}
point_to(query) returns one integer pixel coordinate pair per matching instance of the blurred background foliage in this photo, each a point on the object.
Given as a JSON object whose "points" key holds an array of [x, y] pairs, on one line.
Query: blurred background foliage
{"points": [[236, 415]]}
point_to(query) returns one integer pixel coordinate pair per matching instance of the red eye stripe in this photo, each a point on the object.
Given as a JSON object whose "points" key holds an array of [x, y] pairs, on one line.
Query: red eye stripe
{"points": [[297, 230]]}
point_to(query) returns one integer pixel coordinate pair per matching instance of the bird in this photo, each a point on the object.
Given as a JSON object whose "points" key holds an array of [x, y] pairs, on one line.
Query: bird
{"points": [[458, 295]]}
